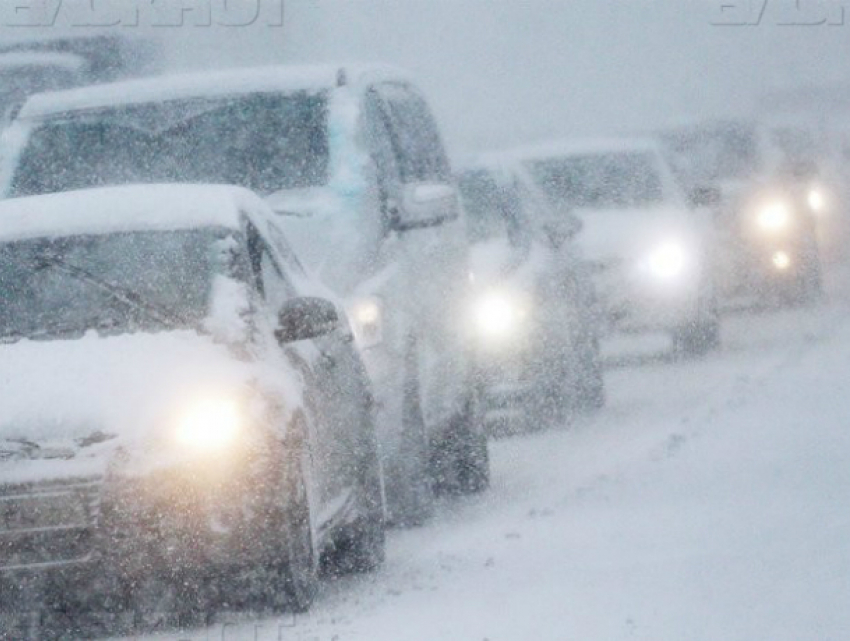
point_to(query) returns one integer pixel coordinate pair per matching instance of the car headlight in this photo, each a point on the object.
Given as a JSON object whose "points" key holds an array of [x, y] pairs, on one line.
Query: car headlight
{"points": [[667, 260], [497, 314], [367, 318], [209, 425], [774, 216], [816, 199]]}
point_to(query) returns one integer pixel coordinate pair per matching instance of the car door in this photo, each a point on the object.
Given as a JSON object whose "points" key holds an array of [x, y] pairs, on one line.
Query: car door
{"points": [[323, 367], [434, 260]]}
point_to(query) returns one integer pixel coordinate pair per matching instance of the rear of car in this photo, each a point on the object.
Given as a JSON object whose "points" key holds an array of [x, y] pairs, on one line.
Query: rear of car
{"points": [[534, 313], [352, 162], [650, 252]]}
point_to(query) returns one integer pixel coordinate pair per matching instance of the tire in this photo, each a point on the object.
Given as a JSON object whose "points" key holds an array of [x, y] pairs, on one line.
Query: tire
{"points": [[298, 575], [410, 494], [698, 339], [590, 388], [361, 546], [461, 462], [702, 335]]}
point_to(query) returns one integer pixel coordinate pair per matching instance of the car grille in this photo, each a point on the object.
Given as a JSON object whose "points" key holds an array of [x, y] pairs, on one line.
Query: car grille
{"points": [[48, 525]]}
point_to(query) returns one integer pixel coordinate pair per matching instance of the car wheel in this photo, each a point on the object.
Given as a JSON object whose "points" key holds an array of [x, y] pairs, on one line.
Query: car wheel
{"points": [[590, 392], [461, 462], [702, 334], [360, 547], [299, 574], [410, 494], [698, 339]]}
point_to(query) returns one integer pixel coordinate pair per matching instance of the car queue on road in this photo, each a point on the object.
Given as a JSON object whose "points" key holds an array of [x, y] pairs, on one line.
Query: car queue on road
{"points": [[275, 320]]}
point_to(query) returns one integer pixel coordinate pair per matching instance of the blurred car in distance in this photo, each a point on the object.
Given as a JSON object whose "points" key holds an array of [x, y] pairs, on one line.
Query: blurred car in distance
{"points": [[651, 252], [535, 315], [772, 203]]}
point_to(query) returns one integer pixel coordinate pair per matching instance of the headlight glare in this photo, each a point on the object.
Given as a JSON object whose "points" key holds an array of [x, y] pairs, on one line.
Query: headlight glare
{"points": [[774, 217], [497, 315], [209, 425], [816, 200], [667, 260]]}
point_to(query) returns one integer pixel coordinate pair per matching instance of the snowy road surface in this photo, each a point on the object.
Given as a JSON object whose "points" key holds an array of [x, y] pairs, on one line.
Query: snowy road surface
{"points": [[709, 501]]}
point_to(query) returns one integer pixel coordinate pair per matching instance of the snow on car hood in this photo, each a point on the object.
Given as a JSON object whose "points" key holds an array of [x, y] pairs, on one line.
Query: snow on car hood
{"points": [[81, 399], [614, 234]]}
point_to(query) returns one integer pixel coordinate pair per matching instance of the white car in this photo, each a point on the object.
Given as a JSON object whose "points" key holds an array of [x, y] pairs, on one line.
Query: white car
{"points": [[534, 314], [184, 414], [651, 252], [352, 162]]}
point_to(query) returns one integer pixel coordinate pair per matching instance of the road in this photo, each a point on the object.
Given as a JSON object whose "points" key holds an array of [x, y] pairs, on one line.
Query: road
{"points": [[709, 500]]}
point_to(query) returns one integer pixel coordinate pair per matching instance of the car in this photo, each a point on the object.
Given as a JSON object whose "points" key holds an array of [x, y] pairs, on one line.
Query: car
{"points": [[772, 205], [651, 252], [352, 162], [33, 65], [535, 312], [185, 414]]}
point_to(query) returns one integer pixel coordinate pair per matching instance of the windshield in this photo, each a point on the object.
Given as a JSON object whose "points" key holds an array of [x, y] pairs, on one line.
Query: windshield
{"points": [[708, 155], [266, 142], [19, 82], [599, 181], [492, 211], [115, 283]]}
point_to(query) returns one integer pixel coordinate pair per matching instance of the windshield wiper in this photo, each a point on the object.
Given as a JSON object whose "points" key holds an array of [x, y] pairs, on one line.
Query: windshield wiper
{"points": [[154, 311]]}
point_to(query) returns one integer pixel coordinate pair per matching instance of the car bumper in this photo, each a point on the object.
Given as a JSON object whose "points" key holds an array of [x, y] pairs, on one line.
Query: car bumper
{"points": [[129, 527]]}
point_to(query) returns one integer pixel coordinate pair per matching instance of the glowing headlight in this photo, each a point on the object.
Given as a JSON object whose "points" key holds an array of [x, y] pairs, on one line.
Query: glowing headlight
{"points": [[497, 315], [667, 260], [781, 260], [367, 320], [816, 200], [774, 217], [209, 425]]}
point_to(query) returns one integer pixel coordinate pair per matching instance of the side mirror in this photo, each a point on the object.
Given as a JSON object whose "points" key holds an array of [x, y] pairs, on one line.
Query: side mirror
{"points": [[705, 196], [300, 319], [426, 205]]}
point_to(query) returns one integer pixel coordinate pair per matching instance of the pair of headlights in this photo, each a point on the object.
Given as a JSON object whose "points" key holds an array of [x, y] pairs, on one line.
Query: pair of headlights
{"points": [[777, 216]]}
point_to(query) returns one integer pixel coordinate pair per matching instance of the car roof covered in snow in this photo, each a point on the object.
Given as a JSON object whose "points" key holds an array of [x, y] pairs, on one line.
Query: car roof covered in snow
{"points": [[108, 210], [593, 146], [15, 60], [216, 84]]}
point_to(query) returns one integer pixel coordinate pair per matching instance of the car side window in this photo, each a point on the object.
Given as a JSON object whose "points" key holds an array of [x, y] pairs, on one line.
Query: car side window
{"points": [[416, 138], [267, 276]]}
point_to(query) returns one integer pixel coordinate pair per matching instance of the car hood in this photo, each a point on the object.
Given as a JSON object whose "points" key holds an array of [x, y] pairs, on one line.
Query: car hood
{"points": [[71, 403], [612, 235]]}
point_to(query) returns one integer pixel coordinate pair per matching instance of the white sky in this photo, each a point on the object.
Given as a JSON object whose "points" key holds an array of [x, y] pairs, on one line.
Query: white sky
{"points": [[501, 72]]}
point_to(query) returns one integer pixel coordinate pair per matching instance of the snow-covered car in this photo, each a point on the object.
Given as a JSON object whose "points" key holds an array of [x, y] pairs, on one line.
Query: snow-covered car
{"points": [[534, 315], [774, 207], [352, 162], [184, 415], [37, 64], [651, 252], [23, 74]]}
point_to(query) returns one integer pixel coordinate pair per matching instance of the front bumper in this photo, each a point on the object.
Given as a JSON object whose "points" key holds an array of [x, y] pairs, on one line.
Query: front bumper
{"points": [[633, 303], [132, 527]]}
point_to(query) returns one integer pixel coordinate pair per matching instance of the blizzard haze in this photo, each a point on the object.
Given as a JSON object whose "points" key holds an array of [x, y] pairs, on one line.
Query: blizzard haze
{"points": [[501, 72]]}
